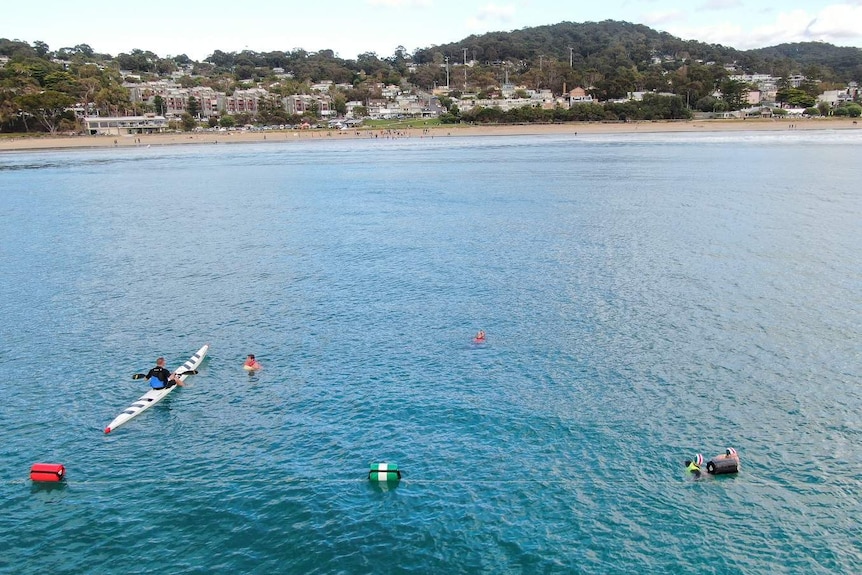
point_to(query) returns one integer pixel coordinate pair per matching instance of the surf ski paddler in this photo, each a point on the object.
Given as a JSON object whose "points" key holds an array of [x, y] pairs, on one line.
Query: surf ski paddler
{"points": [[160, 378]]}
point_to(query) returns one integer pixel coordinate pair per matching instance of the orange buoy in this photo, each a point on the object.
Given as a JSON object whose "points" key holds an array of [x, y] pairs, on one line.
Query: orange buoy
{"points": [[50, 472]]}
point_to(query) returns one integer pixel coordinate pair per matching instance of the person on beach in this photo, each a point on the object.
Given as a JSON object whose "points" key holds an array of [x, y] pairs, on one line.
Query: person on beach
{"points": [[160, 378], [251, 363]]}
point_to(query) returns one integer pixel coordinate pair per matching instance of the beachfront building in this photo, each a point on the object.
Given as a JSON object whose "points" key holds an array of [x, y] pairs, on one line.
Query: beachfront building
{"points": [[300, 104], [403, 106], [176, 98], [124, 125], [351, 106], [504, 104], [379, 109], [837, 98], [177, 101], [243, 101], [578, 96]]}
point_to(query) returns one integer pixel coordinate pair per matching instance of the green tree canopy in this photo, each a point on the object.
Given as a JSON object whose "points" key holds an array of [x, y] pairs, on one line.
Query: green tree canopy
{"points": [[189, 123], [48, 107], [193, 107], [795, 97], [734, 93]]}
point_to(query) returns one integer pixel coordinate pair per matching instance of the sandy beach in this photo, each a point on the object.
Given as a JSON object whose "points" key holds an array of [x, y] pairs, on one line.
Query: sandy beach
{"points": [[19, 143]]}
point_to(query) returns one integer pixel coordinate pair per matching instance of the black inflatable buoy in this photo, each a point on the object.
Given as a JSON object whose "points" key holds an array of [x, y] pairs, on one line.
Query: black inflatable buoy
{"points": [[722, 466]]}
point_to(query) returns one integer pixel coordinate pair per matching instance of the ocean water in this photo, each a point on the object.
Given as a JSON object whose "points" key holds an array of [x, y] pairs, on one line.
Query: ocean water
{"points": [[646, 297]]}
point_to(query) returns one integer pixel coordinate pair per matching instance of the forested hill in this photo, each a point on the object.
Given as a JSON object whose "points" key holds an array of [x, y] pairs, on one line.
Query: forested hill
{"points": [[591, 43], [609, 60], [570, 52], [608, 45], [844, 62]]}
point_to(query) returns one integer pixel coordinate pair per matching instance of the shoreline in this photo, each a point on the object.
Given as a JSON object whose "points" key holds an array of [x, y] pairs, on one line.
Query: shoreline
{"points": [[30, 143]]}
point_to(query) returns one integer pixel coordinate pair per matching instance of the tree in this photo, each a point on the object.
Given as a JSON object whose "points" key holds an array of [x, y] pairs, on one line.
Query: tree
{"points": [[89, 88], [244, 72], [84, 49], [734, 93], [193, 107], [64, 82], [110, 99], [795, 97], [706, 104], [189, 123], [339, 104], [221, 59], [41, 48], [227, 121], [160, 105], [48, 107], [165, 66]]}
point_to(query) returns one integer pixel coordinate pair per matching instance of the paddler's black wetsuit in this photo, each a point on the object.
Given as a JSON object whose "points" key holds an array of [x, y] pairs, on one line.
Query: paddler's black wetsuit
{"points": [[162, 375]]}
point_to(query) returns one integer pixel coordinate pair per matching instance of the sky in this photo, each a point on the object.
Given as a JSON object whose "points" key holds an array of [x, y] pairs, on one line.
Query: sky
{"points": [[349, 28]]}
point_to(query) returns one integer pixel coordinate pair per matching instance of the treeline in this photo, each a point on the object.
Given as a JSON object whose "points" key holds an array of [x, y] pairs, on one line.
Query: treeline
{"points": [[609, 59], [37, 92], [605, 47], [818, 59], [652, 107]]}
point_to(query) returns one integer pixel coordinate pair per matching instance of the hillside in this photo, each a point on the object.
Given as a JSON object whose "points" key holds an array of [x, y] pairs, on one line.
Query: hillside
{"points": [[592, 43], [817, 59], [610, 60], [608, 45]]}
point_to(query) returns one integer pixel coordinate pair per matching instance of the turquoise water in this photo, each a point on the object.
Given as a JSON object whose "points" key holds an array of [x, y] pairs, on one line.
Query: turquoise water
{"points": [[645, 298]]}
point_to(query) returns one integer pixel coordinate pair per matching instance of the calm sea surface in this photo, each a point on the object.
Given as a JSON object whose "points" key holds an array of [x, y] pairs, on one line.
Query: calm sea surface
{"points": [[645, 298]]}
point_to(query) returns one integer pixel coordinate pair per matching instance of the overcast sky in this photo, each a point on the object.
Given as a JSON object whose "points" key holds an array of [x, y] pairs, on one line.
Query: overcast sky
{"points": [[174, 27]]}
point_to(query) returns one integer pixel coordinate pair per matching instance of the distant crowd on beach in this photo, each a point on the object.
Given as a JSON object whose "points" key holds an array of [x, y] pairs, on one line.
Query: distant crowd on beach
{"points": [[573, 128]]}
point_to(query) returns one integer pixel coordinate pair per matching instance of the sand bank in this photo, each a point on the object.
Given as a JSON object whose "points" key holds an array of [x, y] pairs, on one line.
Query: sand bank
{"points": [[60, 142]]}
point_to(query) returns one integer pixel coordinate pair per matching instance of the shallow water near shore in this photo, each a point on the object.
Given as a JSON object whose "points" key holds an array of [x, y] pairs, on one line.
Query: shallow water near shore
{"points": [[645, 297]]}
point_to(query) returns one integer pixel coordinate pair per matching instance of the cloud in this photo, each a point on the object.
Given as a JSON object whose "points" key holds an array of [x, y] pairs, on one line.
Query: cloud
{"points": [[837, 21], [491, 13], [720, 4], [839, 24], [400, 3], [658, 18]]}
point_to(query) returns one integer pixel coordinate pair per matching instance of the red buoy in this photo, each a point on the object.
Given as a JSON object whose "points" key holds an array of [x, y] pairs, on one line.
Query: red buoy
{"points": [[52, 472]]}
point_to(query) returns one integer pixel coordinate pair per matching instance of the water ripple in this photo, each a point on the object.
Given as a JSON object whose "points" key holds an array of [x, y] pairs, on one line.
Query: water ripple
{"points": [[637, 313]]}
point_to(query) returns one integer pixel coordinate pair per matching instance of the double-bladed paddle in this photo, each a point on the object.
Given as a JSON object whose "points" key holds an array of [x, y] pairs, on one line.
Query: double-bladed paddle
{"points": [[143, 375]]}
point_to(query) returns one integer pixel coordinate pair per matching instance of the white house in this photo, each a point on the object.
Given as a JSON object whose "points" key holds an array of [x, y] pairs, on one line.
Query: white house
{"points": [[116, 126]]}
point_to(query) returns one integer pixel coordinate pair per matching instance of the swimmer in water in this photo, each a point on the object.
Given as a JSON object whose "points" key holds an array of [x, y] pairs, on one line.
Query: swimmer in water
{"points": [[729, 453], [251, 363], [480, 336], [693, 466]]}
